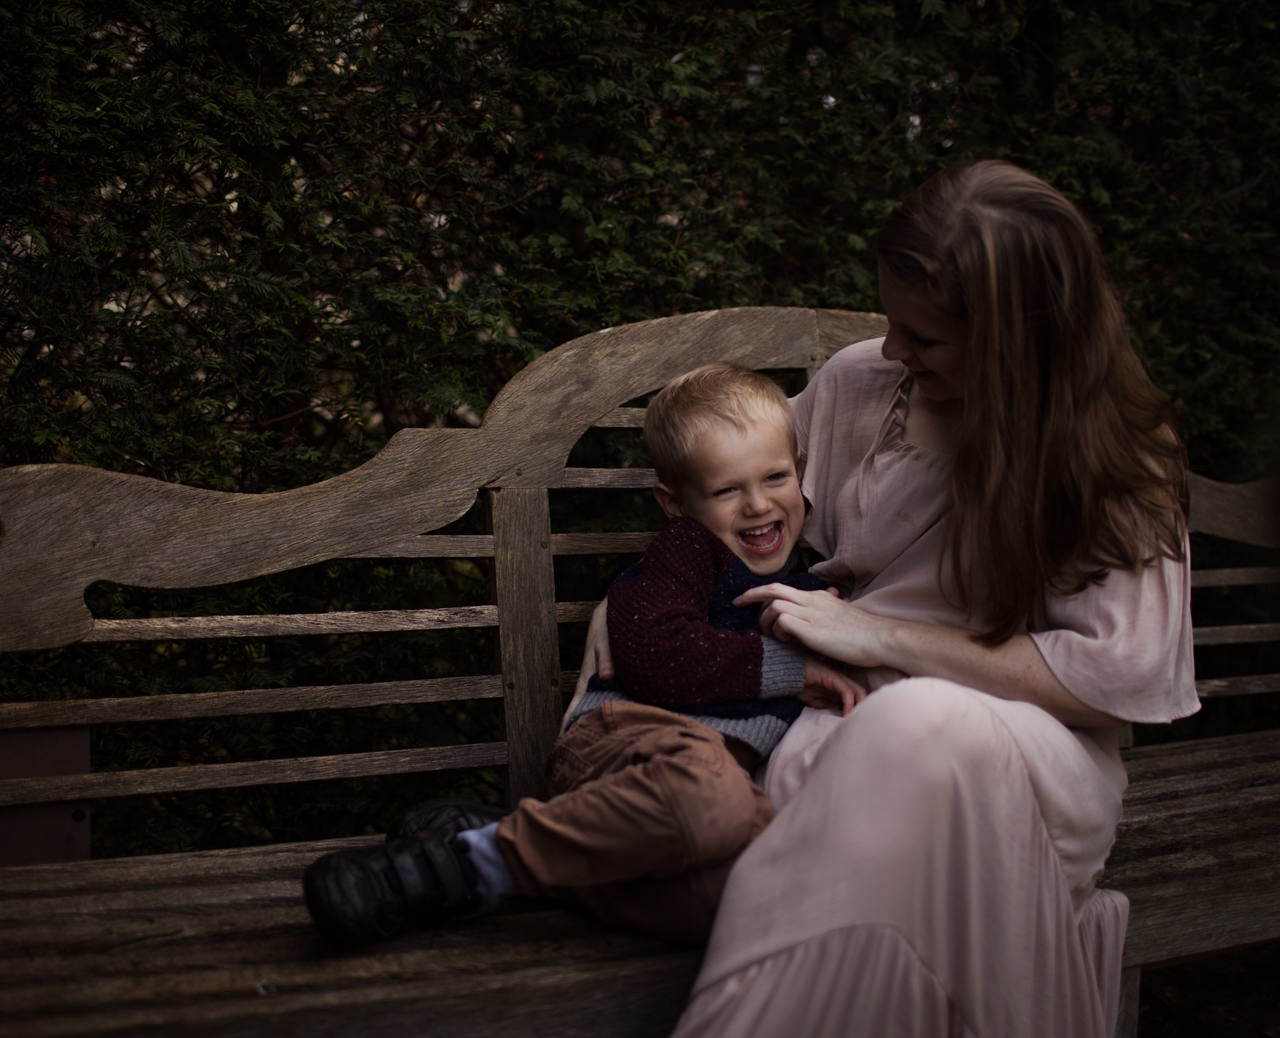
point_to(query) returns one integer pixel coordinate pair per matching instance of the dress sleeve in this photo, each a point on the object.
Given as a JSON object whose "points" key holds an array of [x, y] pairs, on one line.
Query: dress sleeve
{"points": [[1123, 646], [665, 651]]}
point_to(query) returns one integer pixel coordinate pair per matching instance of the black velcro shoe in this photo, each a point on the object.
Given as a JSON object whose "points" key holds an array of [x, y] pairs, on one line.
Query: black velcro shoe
{"points": [[360, 896], [445, 817]]}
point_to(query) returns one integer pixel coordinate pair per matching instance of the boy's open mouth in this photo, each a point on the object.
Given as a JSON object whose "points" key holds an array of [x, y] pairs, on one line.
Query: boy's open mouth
{"points": [[762, 539]]}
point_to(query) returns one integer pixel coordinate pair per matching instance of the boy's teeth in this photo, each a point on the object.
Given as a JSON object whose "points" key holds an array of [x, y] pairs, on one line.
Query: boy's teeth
{"points": [[762, 536]]}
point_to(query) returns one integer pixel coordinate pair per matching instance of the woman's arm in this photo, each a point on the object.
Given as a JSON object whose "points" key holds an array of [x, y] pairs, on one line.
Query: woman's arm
{"points": [[825, 687], [840, 630], [595, 657]]}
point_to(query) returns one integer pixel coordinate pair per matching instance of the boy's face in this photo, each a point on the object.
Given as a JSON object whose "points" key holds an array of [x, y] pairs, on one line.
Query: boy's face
{"points": [[745, 489]]}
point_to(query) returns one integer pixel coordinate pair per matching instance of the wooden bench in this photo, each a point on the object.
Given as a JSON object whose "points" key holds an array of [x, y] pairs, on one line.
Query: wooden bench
{"points": [[217, 941]]}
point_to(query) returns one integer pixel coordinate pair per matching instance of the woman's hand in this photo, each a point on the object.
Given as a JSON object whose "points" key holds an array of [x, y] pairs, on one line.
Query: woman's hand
{"points": [[822, 622], [826, 688], [839, 630], [595, 657]]}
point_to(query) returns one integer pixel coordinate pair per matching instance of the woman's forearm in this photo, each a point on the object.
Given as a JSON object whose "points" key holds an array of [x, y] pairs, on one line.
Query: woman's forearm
{"points": [[1012, 670], [841, 631]]}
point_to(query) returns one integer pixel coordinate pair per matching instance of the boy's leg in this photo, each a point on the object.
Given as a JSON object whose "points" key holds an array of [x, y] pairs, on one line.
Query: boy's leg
{"points": [[648, 811], [676, 908]]}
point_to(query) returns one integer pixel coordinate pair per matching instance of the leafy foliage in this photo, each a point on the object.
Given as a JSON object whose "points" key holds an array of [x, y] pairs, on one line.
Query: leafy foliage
{"points": [[244, 242], [291, 228]]}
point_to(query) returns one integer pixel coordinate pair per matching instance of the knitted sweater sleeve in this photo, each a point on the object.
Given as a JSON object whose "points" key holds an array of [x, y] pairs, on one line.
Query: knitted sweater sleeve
{"points": [[665, 652]]}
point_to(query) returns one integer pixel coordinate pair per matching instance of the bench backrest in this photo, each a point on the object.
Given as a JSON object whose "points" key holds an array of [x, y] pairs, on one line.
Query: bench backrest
{"points": [[1235, 583], [67, 529], [504, 500]]}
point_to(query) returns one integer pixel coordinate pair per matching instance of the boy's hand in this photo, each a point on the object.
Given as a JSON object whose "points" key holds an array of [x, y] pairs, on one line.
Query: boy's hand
{"points": [[826, 688]]}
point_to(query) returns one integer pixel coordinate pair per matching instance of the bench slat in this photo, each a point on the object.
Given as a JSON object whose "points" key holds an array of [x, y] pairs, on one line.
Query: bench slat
{"points": [[1236, 576], [1234, 634], [1198, 850], [600, 543], [613, 479], [246, 701], [1173, 920], [1245, 685], [1195, 762], [372, 621], [388, 621], [525, 587], [52, 789], [220, 944], [1242, 512], [432, 546], [622, 418]]}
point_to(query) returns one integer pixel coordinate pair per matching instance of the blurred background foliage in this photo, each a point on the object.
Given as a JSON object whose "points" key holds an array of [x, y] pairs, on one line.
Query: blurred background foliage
{"points": [[245, 241]]}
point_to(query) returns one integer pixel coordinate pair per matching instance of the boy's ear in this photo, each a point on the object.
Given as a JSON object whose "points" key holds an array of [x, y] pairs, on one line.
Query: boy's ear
{"points": [[667, 501]]}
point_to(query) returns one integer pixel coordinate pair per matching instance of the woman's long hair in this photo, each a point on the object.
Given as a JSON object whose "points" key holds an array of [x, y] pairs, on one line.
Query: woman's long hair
{"points": [[1067, 463]]}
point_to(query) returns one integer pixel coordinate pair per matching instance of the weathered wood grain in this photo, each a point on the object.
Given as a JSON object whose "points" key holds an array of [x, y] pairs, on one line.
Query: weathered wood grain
{"points": [[1245, 512], [139, 948], [639, 358], [72, 788], [275, 625], [219, 943], [622, 418], [605, 479], [1245, 685], [432, 546], [188, 705], [524, 584], [1236, 577], [64, 527], [1236, 634], [599, 543]]}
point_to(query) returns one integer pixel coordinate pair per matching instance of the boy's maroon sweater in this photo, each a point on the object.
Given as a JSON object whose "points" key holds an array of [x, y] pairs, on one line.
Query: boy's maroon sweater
{"points": [[676, 637]]}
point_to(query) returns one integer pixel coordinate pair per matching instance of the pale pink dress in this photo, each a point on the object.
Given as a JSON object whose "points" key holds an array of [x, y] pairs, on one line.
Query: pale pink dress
{"points": [[931, 870]]}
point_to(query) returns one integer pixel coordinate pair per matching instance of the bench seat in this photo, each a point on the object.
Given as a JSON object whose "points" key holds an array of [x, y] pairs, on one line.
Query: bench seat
{"points": [[219, 942]]}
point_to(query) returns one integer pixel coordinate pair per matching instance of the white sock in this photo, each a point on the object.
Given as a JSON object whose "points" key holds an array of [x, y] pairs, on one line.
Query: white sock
{"points": [[493, 880]]}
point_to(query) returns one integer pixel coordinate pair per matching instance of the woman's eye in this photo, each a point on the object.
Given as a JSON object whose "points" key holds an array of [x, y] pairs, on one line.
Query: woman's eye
{"points": [[914, 339]]}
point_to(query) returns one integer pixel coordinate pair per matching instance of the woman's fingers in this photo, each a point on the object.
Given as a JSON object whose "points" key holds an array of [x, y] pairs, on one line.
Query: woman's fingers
{"points": [[769, 624], [774, 598], [769, 592]]}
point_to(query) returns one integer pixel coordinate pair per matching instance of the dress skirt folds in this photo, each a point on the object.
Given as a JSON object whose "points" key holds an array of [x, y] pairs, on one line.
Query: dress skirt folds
{"points": [[929, 873]]}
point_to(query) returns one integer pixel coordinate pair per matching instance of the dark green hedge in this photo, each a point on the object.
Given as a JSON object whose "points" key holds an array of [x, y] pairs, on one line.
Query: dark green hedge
{"points": [[288, 228], [243, 241]]}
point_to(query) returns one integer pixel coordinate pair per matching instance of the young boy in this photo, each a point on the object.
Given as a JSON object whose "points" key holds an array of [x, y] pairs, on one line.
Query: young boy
{"points": [[651, 792]]}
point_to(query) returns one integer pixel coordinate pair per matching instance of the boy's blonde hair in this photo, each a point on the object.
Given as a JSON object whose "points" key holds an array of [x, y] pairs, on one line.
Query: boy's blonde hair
{"points": [[693, 402]]}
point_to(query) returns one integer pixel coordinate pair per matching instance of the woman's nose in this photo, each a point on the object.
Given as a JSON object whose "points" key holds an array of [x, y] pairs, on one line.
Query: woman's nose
{"points": [[892, 348]]}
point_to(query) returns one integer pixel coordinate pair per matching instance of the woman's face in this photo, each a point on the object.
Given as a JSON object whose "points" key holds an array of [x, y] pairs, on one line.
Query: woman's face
{"points": [[929, 342]]}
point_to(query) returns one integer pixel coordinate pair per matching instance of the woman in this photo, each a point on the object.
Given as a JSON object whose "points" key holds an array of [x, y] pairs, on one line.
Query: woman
{"points": [[999, 485]]}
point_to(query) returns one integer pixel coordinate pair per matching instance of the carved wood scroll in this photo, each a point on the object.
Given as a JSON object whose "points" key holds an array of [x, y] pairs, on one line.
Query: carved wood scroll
{"points": [[65, 527]]}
